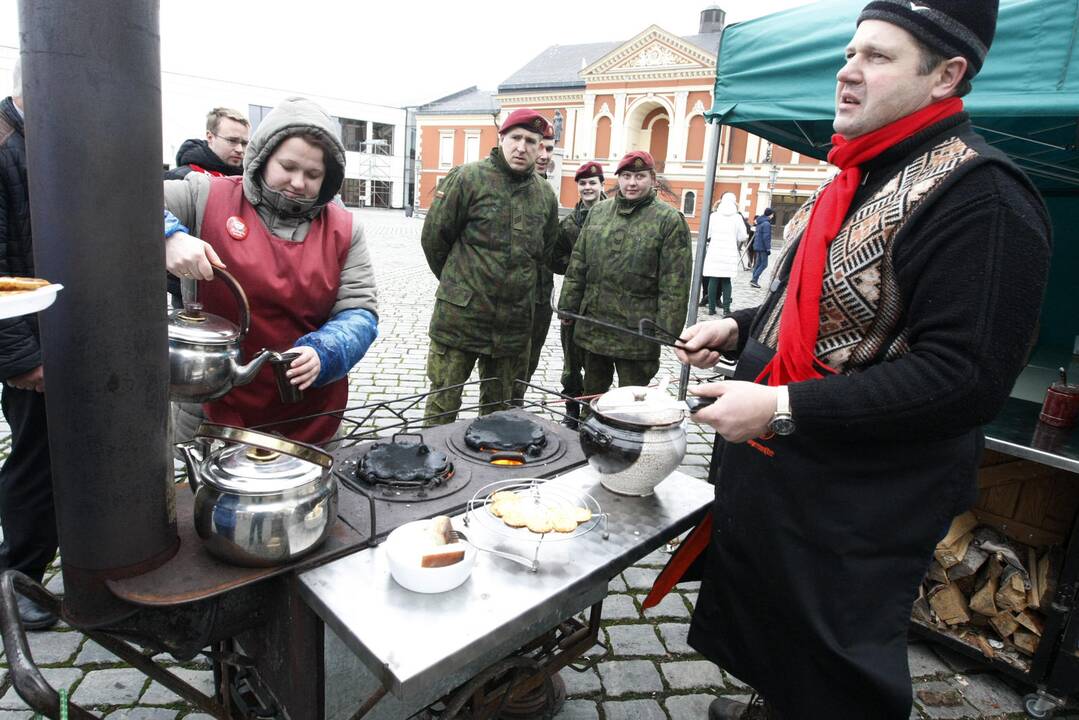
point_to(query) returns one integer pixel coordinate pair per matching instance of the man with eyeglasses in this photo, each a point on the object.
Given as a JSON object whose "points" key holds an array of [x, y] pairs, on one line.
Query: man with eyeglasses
{"points": [[221, 153]]}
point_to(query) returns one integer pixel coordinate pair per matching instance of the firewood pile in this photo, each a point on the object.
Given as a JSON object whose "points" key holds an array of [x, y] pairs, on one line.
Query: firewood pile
{"points": [[988, 590]]}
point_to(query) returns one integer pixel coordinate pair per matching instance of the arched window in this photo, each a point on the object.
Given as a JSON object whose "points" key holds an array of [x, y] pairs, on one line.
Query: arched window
{"points": [[603, 138], [689, 203]]}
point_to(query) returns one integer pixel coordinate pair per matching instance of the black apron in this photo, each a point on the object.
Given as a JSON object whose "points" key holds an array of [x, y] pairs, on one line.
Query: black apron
{"points": [[815, 559]]}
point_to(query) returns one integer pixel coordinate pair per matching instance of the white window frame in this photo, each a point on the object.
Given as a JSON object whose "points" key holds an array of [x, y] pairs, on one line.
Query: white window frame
{"points": [[472, 146], [696, 201], [445, 148]]}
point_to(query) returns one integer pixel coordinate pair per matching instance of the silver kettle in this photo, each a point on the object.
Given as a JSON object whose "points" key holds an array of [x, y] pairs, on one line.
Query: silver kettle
{"points": [[205, 351], [259, 499]]}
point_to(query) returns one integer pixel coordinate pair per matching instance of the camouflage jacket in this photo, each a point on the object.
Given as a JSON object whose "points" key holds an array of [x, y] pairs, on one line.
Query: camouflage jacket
{"points": [[486, 235], [568, 230], [631, 260]]}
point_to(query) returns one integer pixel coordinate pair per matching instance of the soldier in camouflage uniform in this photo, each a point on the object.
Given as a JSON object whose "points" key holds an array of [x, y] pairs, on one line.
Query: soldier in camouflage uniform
{"points": [[631, 260], [541, 314], [589, 177], [492, 225]]}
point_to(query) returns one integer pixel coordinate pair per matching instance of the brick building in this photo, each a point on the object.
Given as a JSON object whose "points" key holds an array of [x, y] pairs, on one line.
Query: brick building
{"points": [[649, 92]]}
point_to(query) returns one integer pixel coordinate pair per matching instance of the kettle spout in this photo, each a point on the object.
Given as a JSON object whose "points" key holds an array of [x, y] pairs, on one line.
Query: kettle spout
{"points": [[192, 453], [243, 374]]}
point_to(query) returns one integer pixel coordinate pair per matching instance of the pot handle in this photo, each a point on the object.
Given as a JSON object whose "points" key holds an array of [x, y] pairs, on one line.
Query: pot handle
{"points": [[241, 298], [600, 438], [265, 441]]}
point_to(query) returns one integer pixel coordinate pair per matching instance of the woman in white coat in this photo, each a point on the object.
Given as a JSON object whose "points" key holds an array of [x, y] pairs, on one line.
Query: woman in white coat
{"points": [[726, 229]]}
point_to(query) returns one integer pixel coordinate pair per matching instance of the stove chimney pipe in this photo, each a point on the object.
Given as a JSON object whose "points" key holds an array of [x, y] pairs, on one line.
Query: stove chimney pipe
{"points": [[92, 90]]}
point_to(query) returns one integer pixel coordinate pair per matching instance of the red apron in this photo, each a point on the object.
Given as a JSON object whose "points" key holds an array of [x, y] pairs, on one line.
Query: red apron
{"points": [[291, 287]]}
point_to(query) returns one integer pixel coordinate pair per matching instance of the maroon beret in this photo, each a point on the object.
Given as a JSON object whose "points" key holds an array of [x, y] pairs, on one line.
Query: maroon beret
{"points": [[588, 170], [526, 118], [636, 161]]}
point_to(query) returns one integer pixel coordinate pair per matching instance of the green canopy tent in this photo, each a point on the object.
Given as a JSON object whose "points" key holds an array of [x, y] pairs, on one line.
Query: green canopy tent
{"points": [[776, 79]]}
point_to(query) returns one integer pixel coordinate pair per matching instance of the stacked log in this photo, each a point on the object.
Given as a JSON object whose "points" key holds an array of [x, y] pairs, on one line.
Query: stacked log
{"points": [[987, 588]]}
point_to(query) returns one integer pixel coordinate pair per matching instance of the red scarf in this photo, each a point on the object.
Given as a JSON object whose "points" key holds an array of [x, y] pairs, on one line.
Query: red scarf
{"points": [[799, 323]]}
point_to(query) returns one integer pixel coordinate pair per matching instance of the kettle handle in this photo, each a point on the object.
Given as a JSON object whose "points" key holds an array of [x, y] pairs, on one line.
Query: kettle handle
{"points": [[265, 441], [241, 299]]}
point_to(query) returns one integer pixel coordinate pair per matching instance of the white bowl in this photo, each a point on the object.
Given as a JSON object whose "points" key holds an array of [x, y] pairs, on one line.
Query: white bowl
{"points": [[405, 545]]}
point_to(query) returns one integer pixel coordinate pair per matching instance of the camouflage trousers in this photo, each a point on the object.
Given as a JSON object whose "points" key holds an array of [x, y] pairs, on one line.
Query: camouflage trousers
{"points": [[541, 324], [572, 364], [448, 366], [599, 372]]}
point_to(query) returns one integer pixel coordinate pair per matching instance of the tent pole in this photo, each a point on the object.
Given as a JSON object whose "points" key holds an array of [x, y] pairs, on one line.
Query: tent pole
{"points": [[702, 245]]}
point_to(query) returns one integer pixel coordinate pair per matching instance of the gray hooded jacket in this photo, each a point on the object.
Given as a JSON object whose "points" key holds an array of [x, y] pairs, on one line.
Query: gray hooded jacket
{"points": [[186, 199]]}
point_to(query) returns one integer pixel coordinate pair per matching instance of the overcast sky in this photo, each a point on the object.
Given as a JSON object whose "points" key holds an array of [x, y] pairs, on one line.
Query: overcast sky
{"points": [[395, 52]]}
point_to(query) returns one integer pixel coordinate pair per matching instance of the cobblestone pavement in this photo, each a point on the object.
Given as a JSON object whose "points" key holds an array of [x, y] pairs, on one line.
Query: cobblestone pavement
{"points": [[650, 672]]}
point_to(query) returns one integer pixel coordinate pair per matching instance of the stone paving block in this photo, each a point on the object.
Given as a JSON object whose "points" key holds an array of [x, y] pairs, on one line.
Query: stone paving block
{"points": [[991, 695], [633, 710], [958, 662], [16, 715], [692, 674], [640, 578], [580, 683], [93, 654], [939, 700], [670, 606], [616, 584], [687, 586], [158, 694], [624, 677], [142, 713], [198, 716], [120, 686], [620, 607], [51, 648], [578, 710], [639, 639], [924, 662], [55, 585], [691, 599], [689, 707], [57, 677], [674, 637]]}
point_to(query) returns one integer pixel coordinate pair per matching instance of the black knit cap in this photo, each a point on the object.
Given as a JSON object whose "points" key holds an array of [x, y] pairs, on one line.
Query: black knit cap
{"points": [[952, 27]]}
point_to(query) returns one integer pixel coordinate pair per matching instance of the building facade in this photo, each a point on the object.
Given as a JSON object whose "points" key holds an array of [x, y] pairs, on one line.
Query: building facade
{"points": [[606, 99]]}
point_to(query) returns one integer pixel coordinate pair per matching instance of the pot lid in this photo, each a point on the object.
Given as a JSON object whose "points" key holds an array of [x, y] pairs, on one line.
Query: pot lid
{"points": [[248, 470], [190, 324], [640, 405]]}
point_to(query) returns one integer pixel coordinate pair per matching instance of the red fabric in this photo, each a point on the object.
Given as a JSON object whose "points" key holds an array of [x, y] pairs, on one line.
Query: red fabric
{"points": [[291, 287], [528, 119], [690, 549], [589, 169], [799, 324], [636, 161], [204, 171]]}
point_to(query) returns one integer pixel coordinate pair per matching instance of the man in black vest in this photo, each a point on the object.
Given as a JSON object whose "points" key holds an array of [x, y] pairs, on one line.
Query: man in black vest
{"points": [[851, 435]]}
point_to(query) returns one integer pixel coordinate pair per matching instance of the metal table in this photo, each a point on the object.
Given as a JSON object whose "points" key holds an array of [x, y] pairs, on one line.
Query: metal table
{"points": [[1016, 431], [422, 646]]}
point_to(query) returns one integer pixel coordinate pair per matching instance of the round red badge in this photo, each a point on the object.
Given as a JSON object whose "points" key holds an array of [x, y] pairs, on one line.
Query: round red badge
{"points": [[237, 228]]}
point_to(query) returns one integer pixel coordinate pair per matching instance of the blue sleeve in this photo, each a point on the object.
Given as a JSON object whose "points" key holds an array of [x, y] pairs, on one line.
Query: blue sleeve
{"points": [[341, 342], [173, 225]]}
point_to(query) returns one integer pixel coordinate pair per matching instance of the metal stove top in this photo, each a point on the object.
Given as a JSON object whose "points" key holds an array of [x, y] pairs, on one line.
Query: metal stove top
{"points": [[472, 470]]}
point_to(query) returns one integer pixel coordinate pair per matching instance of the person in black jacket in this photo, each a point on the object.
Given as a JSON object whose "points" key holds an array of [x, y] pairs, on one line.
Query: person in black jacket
{"points": [[851, 432], [221, 153], [26, 507]]}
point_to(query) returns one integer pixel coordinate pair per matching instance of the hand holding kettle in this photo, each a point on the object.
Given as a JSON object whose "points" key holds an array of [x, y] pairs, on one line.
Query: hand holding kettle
{"points": [[187, 256]]}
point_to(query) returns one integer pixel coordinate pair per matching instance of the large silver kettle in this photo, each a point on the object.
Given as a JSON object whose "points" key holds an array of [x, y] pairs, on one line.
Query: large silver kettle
{"points": [[259, 499], [205, 351]]}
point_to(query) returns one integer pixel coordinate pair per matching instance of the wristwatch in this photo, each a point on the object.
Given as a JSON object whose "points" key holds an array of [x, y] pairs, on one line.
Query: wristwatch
{"points": [[782, 422]]}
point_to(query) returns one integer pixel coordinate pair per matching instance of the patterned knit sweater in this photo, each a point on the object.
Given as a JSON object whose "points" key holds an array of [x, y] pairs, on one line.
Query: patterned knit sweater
{"points": [[931, 294]]}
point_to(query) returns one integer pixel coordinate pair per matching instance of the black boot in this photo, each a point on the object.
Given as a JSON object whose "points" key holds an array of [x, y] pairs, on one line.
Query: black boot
{"points": [[33, 616], [724, 708], [573, 415]]}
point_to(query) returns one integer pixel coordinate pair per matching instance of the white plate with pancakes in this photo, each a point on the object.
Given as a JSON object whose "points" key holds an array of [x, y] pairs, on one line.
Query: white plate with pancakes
{"points": [[15, 302]]}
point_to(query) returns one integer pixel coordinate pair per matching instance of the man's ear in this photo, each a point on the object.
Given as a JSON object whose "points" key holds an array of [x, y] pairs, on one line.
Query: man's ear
{"points": [[949, 74]]}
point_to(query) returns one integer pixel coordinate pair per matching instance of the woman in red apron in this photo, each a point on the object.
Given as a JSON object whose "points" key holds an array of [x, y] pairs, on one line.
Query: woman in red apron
{"points": [[301, 260]]}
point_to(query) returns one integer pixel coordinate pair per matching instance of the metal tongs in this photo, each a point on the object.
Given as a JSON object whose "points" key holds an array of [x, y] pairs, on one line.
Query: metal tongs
{"points": [[660, 335]]}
